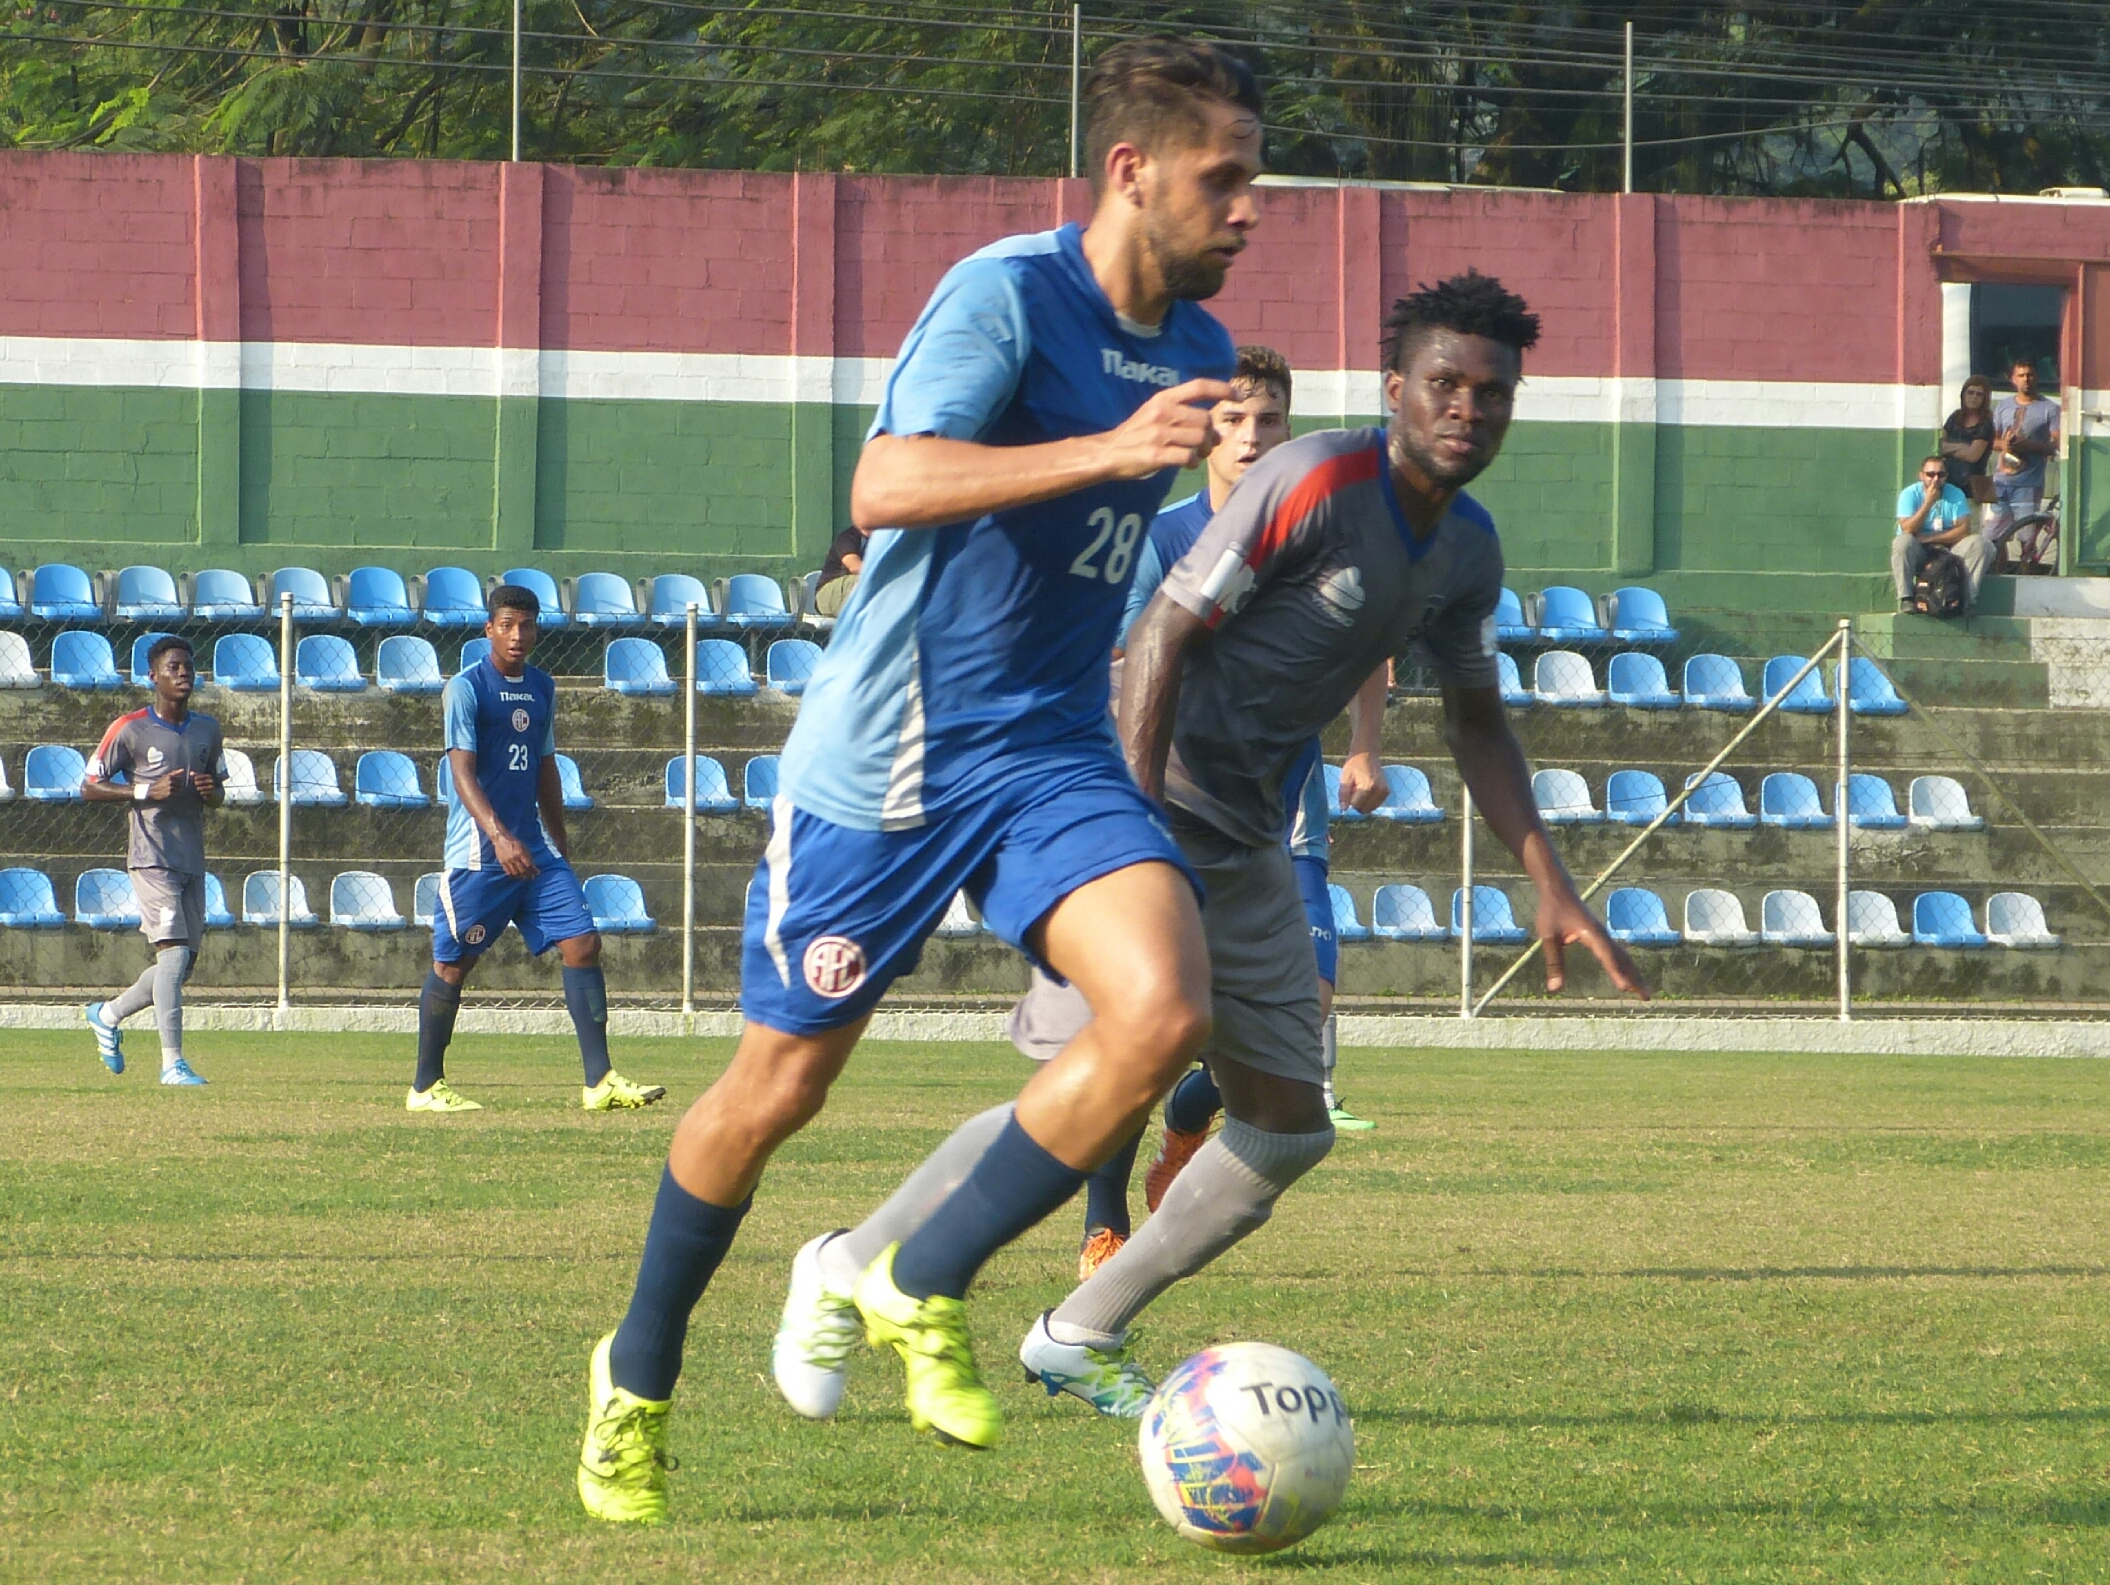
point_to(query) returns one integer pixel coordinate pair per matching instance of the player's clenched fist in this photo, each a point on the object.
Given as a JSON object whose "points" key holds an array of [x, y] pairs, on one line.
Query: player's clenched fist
{"points": [[1171, 430]]}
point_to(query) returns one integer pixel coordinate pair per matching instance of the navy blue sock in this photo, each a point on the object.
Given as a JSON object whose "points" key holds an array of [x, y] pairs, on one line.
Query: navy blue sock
{"points": [[438, 1002], [683, 1246], [1015, 1185], [1194, 1101], [586, 998], [1106, 1191]]}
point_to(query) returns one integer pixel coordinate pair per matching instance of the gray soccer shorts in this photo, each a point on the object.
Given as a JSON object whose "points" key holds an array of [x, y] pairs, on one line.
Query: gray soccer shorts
{"points": [[171, 907]]}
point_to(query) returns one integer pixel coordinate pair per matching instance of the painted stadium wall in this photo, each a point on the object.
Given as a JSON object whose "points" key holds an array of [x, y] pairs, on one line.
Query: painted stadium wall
{"points": [[251, 362]]}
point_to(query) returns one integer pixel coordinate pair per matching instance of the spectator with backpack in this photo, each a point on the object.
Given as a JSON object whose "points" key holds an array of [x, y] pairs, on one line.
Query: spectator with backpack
{"points": [[1936, 560]]}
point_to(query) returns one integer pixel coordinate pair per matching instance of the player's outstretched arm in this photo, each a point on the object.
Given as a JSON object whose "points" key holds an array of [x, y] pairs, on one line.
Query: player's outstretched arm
{"points": [[927, 481], [511, 853], [1150, 688], [1492, 762]]}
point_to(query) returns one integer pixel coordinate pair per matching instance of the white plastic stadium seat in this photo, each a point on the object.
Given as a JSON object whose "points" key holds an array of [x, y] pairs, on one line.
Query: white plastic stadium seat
{"points": [[17, 669], [1939, 803], [1563, 798], [2016, 919], [260, 901], [1792, 919], [242, 788], [1872, 921], [958, 921], [362, 900], [1562, 677], [1715, 918]]}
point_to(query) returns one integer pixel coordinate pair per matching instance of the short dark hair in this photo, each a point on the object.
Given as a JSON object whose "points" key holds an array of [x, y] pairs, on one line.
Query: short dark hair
{"points": [[1145, 91], [1471, 304], [511, 597], [1263, 366], [162, 645], [1938, 461]]}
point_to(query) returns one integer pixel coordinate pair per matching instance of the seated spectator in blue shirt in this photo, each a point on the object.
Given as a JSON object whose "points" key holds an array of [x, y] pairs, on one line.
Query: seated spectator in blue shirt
{"points": [[1933, 513]]}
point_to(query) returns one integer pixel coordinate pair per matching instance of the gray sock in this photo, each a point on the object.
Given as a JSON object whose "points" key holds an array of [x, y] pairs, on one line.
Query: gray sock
{"points": [[171, 969], [1227, 1190], [909, 1206], [134, 998], [1329, 1057]]}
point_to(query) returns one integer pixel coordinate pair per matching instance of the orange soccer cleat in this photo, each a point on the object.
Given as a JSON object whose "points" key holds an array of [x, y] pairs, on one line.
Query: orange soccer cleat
{"points": [[1174, 1152], [1098, 1250]]}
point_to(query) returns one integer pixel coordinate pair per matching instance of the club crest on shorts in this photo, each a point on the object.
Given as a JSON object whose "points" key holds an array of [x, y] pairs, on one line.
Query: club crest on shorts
{"points": [[474, 936], [834, 967], [520, 720]]}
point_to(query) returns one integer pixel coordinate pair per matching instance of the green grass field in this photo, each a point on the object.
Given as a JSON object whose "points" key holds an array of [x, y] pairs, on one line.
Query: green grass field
{"points": [[1607, 1317]]}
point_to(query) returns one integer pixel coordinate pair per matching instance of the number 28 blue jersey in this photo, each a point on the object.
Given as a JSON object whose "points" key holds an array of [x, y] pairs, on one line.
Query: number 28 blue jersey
{"points": [[509, 724], [968, 648]]}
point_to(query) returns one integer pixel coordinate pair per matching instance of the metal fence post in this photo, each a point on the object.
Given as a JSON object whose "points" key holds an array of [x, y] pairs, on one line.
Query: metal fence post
{"points": [[1842, 812], [1465, 906], [688, 818], [285, 800]]}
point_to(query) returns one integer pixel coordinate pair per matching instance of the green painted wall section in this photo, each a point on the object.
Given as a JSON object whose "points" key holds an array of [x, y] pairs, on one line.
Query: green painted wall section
{"points": [[97, 466]]}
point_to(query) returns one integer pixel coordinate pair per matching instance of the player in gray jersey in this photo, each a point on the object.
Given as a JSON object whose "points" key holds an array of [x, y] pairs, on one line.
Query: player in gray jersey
{"points": [[168, 762]]}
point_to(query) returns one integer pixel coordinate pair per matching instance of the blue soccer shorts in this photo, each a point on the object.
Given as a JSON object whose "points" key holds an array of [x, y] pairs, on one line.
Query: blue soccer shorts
{"points": [[1318, 911], [835, 915], [476, 906]]}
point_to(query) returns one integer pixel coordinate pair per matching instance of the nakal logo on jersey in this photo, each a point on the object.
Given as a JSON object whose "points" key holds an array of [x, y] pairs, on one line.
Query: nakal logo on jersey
{"points": [[1115, 364]]}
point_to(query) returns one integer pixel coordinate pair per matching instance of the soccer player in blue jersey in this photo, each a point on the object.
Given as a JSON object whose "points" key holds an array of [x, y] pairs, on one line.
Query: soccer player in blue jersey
{"points": [[955, 735], [507, 861]]}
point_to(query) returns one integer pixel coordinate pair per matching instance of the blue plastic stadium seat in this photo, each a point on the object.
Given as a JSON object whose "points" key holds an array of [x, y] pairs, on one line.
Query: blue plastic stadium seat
{"points": [[260, 901], [668, 597], [1331, 775], [1638, 682], [362, 900], [406, 663], [1872, 804], [1792, 919], [61, 592], [377, 597], [1789, 799], [1808, 696], [11, 607], [1715, 918], [635, 666], [569, 782], [1567, 616], [1718, 804], [959, 919], [1868, 691], [1715, 682], [451, 597], [1639, 616], [755, 602], [103, 900], [721, 668], [790, 662], [18, 668], [809, 618], [327, 663], [425, 899], [759, 782], [1635, 797], [714, 795], [1492, 920], [1514, 693], [1408, 801], [1562, 677], [51, 774], [83, 660], [617, 904], [1872, 921], [245, 662], [1346, 926], [217, 914], [218, 595], [146, 594], [601, 599], [1636, 915], [2016, 919], [26, 901], [1939, 803], [1510, 626], [1563, 798], [384, 778], [140, 648], [1404, 913], [313, 600], [1943, 919], [473, 650], [544, 588], [315, 783]]}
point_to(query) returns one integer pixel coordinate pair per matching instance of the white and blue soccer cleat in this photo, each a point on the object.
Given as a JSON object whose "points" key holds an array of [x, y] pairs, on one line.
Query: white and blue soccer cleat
{"points": [[820, 1328], [1106, 1378], [179, 1072], [109, 1042]]}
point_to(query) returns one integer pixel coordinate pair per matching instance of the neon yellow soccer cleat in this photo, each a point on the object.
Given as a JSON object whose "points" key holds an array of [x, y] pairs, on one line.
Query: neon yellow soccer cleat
{"points": [[442, 1097], [617, 1094], [945, 1392], [623, 1463]]}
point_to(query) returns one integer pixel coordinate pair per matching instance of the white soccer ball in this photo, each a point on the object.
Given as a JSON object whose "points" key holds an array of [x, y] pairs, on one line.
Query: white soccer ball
{"points": [[1247, 1448]]}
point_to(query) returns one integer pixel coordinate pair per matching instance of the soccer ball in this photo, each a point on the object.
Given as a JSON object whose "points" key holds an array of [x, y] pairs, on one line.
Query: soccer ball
{"points": [[1247, 1448]]}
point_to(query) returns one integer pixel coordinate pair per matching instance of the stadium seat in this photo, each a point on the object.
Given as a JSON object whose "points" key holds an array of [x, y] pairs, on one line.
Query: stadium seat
{"points": [[1638, 682], [1566, 616], [1871, 804], [1868, 691], [451, 597], [2016, 919], [103, 900], [1514, 693], [1790, 800], [1408, 801], [713, 794], [218, 595], [1563, 798], [1715, 918], [1792, 919], [260, 901], [313, 599], [406, 663], [328, 664], [473, 650], [61, 592], [375, 597], [217, 914], [140, 646], [789, 664], [26, 901], [1562, 677], [1715, 682], [667, 599], [11, 608], [1638, 616], [636, 666], [1807, 697], [9, 792], [1717, 804], [1635, 797], [245, 663], [601, 599], [51, 774], [759, 782], [1510, 626], [425, 899], [568, 782], [1492, 920], [385, 778], [362, 900], [809, 618], [1943, 919], [617, 904], [1636, 915], [18, 668], [959, 920], [315, 783], [1872, 921], [543, 587], [721, 668], [755, 602], [83, 660], [1939, 803], [1346, 926], [1404, 913], [242, 788], [145, 594], [1331, 775]]}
